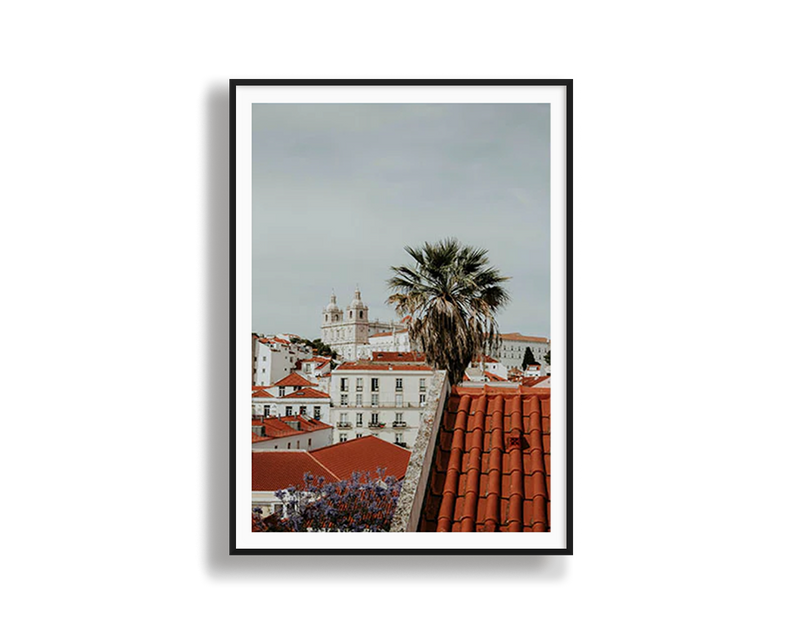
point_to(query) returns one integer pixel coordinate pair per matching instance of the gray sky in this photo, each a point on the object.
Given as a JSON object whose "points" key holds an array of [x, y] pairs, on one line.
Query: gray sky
{"points": [[340, 189]]}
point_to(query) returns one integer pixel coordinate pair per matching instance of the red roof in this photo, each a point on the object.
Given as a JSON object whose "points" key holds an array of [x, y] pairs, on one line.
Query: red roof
{"points": [[384, 334], [275, 427], [273, 470], [307, 393], [368, 454], [494, 377], [261, 392], [294, 380], [368, 365], [397, 356], [520, 338], [491, 466], [533, 380]]}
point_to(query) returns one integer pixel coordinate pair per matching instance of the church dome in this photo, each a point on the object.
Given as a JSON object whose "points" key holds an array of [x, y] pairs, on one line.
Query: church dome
{"points": [[357, 303], [332, 305]]}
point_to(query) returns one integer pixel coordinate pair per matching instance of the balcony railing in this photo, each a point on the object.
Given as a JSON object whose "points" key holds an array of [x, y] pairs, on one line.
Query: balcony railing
{"points": [[376, 425], [398, 423], [344, 425]]}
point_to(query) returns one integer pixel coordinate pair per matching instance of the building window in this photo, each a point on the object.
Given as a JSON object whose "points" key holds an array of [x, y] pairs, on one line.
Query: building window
{"points": [[422, 398], [316, 413], [359, 399], [289, 445], [342, 437], [309, 443], [374, 419], [302, 411], [288, 411], [398, 417], [423, 384], [360, 314], [266, 410], [398, 384], [398, 439], [398, 400], [344, 384], [281, 392], [359, 384], [375, 384], [374, 399], [359, 419], [344, 400]]}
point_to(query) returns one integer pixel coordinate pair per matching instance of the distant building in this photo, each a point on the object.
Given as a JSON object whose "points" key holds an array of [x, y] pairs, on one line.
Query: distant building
{"points": [[293, 395], [274, 358], [512, 349], [348, 332], [290, 433]]}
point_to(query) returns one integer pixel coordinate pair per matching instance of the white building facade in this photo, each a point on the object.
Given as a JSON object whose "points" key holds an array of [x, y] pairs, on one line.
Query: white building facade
{"points": [[306, 402], [512, 349], [380, 399], [275, 358]]}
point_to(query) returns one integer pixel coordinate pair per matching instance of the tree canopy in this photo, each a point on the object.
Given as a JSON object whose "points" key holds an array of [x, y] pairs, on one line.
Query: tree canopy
{"points": [[451, 293], [528, 358]]}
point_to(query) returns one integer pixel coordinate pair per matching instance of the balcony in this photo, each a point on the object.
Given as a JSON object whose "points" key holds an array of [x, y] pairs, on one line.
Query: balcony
{"points": [[397, 423], [344, 425], [376, 425]]}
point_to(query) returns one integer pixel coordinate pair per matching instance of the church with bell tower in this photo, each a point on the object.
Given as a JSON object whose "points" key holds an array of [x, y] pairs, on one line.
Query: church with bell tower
{"points": [[344, 331]]}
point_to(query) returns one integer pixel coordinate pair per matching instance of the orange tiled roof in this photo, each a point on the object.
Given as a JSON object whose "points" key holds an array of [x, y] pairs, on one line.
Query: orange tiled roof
{"points": [[533, 380], [397, 356], [494, 377], [520, 338], [294, 380], [380, 366], [307, 393], [368, 454], [278, 427], [273, 470], [261, 392], [491, 467], [384, 334]]}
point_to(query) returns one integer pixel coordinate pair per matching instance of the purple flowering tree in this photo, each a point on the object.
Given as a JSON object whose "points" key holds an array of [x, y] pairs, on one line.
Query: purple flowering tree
{"points": [[364, 502]]}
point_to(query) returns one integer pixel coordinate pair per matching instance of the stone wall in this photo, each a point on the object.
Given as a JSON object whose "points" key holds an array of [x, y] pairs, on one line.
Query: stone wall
{"points": [[409, 505]]}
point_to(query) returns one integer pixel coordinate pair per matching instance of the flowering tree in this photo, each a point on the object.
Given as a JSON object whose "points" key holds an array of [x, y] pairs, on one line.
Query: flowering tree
{"points": [[364, 502]]}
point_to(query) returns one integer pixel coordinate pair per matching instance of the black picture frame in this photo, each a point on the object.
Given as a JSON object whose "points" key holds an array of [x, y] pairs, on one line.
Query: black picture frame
{"points": [[567, 548]]}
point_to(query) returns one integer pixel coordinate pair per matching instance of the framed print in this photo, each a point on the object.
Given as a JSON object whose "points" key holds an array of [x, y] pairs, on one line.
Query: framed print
{"points": [[401, 307]]}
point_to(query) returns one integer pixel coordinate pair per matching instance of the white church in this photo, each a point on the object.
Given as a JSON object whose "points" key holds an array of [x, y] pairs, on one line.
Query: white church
{"points": [[351, 334]]}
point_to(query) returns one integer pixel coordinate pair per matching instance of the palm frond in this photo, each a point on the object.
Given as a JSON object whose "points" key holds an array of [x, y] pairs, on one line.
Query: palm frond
{"points": [[452, 294]]}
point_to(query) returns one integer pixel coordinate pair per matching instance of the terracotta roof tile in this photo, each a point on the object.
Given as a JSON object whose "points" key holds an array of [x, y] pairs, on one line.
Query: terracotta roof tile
{"points": [[364, 454], [491, 468], [294, 380], [307, 393], [397, 356], [273, 470], [368, 365], [518, 337], [261, 392]]}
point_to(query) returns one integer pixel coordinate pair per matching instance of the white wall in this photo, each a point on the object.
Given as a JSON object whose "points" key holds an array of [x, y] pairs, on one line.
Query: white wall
{"points": [[278, 406], [386, 407], [275, 362], [308, 440]]}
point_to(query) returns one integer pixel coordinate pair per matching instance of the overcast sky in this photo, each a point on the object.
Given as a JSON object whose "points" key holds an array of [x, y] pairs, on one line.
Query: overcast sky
{"points": [[340, 189]]}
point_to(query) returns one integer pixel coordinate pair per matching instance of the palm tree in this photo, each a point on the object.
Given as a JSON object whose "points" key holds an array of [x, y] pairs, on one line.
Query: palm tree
{"points": [[451, 294]]}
